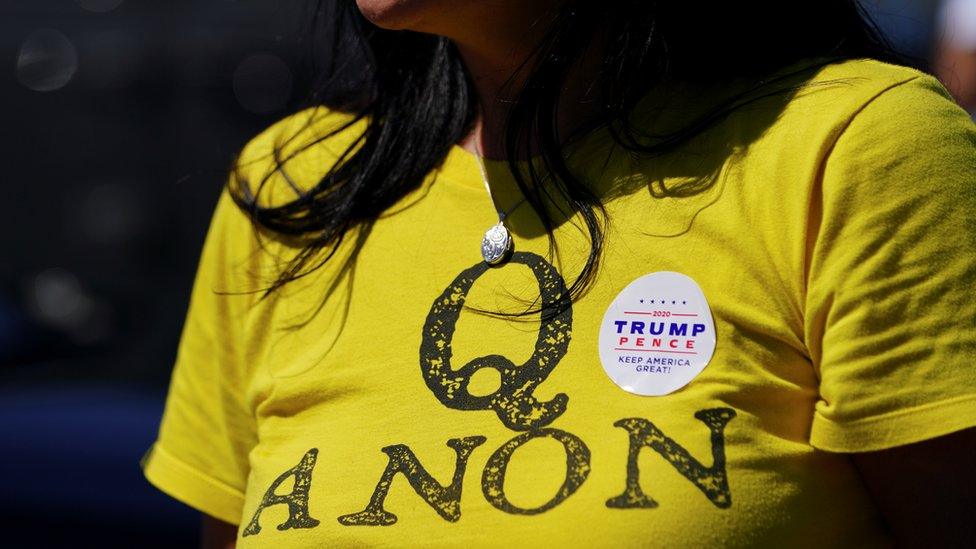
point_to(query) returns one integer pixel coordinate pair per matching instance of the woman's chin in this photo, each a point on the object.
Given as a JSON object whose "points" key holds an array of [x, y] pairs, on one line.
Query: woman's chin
{"points": [[394, 14]]}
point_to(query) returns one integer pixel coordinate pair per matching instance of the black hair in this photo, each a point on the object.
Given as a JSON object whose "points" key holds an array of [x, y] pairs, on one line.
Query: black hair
{"points": [[417, 100]]}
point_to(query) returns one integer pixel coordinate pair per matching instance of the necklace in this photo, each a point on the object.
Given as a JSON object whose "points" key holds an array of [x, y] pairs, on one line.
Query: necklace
{"points": [[497, 245]]}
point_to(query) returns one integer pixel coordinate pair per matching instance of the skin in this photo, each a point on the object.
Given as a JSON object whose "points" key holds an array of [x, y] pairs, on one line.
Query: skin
{"points": [[926, 491], [494, 37], [217, 534], [956, 69]]}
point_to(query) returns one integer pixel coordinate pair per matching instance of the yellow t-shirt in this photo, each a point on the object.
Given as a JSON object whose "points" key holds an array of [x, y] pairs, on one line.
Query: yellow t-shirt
{"points": [[835, 248]]}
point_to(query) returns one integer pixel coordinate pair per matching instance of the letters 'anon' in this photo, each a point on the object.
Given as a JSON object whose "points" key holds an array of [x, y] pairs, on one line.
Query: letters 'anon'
{"points": [[514, 401], [446, 500]]}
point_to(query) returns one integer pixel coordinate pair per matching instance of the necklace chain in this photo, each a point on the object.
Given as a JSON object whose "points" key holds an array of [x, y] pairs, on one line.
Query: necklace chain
{"points": [[497, 245], [484, 177]]}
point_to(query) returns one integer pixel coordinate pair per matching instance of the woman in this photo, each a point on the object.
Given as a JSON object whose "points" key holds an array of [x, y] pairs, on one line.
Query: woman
{"points": [[736, 310]]}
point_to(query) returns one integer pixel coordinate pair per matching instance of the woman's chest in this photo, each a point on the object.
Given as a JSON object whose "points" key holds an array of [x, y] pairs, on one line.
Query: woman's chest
{"points": [[422, 420]]}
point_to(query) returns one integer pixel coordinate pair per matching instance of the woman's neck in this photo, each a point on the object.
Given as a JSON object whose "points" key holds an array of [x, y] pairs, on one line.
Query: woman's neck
{"points": [[498, 61]]}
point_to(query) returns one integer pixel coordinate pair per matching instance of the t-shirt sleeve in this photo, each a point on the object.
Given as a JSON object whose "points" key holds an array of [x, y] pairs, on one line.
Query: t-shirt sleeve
{"points": [[890, 308], [201, 454]]}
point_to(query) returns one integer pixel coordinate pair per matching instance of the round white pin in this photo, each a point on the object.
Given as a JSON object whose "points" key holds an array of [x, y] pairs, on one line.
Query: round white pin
{"points": [[657, 335]]}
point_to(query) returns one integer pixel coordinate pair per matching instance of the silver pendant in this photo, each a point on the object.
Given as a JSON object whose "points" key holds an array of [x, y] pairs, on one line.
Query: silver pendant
{"points": [[496, 245]]}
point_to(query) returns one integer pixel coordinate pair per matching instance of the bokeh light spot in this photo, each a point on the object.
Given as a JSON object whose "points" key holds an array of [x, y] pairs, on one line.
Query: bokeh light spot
{"points": [[47, 60], [58, 298]]}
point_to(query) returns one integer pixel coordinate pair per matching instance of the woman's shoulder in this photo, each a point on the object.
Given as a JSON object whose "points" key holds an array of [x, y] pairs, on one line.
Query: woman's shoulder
{"points": [[805, 104], [861, 111], [838, 92], [288, 158], [865, 72], [293, 154], [884, 114]]}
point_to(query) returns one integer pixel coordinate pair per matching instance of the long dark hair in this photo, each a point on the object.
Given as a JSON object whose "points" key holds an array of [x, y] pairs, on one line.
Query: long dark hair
{"points": [[417, 100]]}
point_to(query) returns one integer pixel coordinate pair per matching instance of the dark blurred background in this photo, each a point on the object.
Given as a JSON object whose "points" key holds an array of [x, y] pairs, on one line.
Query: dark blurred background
{"points": [[119, 119]]}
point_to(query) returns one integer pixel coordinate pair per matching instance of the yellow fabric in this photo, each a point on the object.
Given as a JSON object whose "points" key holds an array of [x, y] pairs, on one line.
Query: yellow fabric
{"points": [[834, 244]]}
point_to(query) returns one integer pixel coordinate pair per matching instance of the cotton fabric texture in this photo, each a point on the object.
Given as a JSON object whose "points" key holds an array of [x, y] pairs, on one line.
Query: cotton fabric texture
{"points": [[833, 234]]}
